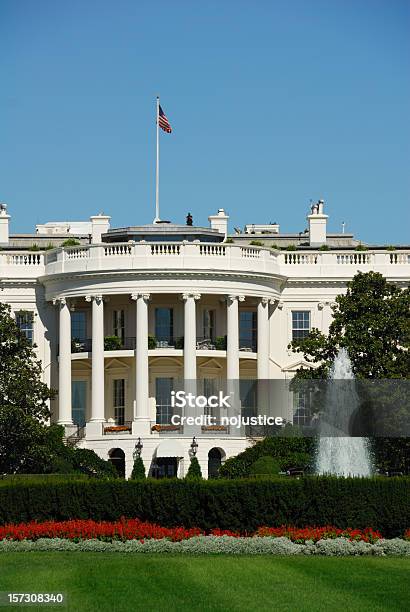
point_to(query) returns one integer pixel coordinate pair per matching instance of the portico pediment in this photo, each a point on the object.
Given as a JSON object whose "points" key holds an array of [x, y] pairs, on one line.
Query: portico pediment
{"points": [[293, 367]]}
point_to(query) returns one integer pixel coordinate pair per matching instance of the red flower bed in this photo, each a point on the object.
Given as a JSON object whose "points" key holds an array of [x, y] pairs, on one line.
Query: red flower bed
{"points": [[124, 529], [134, 529], [300, 535]]}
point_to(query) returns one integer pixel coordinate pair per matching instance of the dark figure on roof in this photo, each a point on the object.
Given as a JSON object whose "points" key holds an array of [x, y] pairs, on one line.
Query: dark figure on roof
{"points": [[189, 219]]}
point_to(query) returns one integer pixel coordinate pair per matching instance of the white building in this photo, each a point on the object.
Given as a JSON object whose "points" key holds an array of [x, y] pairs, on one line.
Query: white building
{"points": [[118, 319]]}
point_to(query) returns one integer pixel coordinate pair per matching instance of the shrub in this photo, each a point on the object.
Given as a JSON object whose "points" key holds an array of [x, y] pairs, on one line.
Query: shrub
{"points": [[220, 343], [112, 343], [256, 243], [152, 342], [265, 465], [229, 241], [324, 247], [238, 505], [70, 242], [288, 451], [194, 470], [138, 471]]}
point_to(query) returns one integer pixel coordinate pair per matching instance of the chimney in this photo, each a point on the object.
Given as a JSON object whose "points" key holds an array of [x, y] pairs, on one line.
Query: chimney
{"points": [[317, 224], [219, 222], [100, 225], [4, 224]]}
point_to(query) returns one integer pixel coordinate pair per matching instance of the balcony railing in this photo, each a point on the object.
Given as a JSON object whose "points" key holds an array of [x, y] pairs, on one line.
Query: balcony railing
{"points": [[201, 256]]}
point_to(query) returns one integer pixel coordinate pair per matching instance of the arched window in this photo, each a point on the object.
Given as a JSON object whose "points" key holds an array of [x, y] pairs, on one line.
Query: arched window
{"points": [[117, 458], [215, 457]]}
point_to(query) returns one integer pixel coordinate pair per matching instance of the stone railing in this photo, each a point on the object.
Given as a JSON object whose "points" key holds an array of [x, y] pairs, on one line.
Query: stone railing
{"points": [[344, 258], [164, 255], [201, 256], [21, 264]]}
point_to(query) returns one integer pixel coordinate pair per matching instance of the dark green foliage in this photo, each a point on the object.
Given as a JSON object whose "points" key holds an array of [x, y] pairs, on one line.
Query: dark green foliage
{"points": [[152, 342], [23, 397], [241, 505], [392, 454], [288, 451], [194, 470], [138, 471], [70, 242], [264, 466], [52, 456], [256, 243], [112, 343], [220, 343]]}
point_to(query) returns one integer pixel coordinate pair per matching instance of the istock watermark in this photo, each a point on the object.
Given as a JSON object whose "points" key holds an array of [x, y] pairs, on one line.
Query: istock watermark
{"points": [[181, 399], [207, 420]]}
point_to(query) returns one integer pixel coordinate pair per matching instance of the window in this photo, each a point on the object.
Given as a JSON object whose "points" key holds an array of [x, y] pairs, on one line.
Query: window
{"points": [[165, 467], [248, 393], [301, 412], [79, 401], [247, 330], [164, 324], [163, 388], [209, 324], [24, 321], [300, 324], [79, 325], [119, 324], [210, 388], [119, 401]]}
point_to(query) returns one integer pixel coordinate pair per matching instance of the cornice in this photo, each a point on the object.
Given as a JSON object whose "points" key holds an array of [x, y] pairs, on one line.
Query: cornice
{"points": [[149, 274]]}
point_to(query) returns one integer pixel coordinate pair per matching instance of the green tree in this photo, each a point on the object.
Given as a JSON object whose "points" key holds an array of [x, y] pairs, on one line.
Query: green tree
{"points": [[138, 470], [27, 444], [23, 397], [194, 470]]}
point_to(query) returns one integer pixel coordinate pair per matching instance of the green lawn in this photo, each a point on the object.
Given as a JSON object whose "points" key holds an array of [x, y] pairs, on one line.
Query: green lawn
{"points": [[116, 582]]}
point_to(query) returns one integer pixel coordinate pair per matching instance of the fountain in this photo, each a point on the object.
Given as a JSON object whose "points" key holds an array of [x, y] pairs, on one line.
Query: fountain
{"points": [[337, 453]]}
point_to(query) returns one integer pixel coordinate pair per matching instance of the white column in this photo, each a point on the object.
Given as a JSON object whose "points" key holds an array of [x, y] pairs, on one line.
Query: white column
{"points": [[263, 339], [97, 359], [141, 357], [232, 347], [64, 365], [190, 335]]}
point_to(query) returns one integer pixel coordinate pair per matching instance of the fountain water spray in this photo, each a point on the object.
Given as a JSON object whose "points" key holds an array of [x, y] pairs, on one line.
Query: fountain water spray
{"points": [[339, 454]]}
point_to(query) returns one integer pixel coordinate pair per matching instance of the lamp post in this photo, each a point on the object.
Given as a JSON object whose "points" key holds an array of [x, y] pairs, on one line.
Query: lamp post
{"points": [[194, 447], [138, 448]]}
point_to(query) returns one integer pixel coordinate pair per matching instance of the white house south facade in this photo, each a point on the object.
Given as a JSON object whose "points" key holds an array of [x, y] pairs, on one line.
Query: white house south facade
{"points": [[118, 318]]}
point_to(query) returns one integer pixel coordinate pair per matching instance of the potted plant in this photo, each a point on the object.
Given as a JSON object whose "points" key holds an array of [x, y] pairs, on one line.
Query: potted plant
{"points": [[112, 343]]}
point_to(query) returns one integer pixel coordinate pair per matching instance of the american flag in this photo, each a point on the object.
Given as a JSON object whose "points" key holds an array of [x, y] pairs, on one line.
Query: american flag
{"points": [[163, 121]]}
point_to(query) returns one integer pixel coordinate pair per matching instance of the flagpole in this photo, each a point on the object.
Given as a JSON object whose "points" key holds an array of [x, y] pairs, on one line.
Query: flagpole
{"points": [[157, 217]]}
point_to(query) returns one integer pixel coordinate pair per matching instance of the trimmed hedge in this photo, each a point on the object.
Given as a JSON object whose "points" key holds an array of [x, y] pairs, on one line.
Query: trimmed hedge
{"points": [[239, 505]]}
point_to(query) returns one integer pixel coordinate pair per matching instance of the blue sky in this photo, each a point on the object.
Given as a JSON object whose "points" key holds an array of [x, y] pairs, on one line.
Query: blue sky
{"points": [[272, 103]]}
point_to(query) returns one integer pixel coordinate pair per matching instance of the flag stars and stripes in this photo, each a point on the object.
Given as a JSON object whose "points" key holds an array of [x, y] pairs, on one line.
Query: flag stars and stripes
{"points": [[163, 121]]}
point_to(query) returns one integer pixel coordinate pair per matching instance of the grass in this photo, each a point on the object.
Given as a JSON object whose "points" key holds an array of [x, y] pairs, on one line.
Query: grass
{"points": [[115, 582]]}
